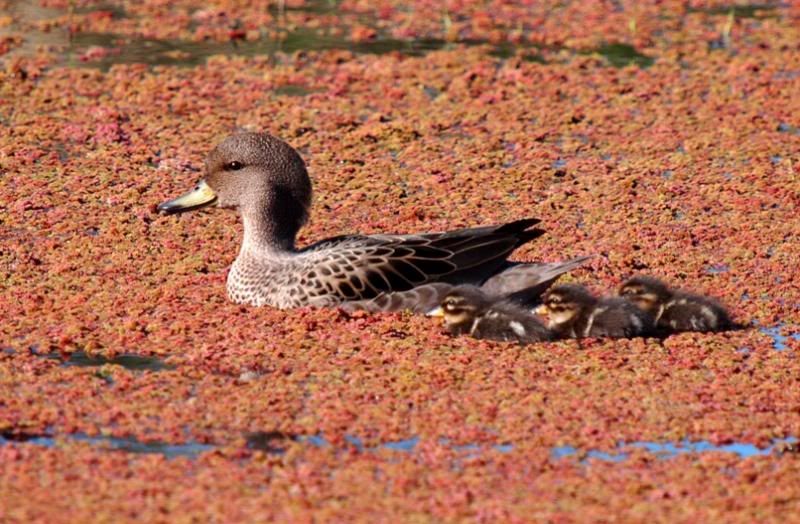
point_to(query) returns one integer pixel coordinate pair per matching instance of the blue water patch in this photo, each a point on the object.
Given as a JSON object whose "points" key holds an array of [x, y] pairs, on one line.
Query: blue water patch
{"points": [[668, 450], [131, 445], [473, 449], [785, 127], [778, 339], [560, 452], [262, 441], [318, 441], [716, 269], [608, 457], [462, 448], [355, 441], [406, 445], [41, 440]]}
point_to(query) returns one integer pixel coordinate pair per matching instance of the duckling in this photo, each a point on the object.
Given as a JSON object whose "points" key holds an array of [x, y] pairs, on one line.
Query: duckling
{"points": [[266, 180], [673, 310], [469, 311], [573, 312]]}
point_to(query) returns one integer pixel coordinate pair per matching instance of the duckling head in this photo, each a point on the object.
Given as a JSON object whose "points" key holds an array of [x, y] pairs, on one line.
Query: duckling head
{"points": [[647, 293], [258, 174], [562, 304], [460, 307]]}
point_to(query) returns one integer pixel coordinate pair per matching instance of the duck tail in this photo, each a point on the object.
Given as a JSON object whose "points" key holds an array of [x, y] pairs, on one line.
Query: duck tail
{"points": [[523, 230]]}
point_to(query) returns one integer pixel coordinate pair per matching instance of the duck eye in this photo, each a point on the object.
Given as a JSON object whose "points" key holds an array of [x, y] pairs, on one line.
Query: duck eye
{"points": [[233, 166]]}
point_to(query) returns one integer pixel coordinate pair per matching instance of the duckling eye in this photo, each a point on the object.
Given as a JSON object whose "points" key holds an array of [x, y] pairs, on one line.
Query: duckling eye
{"points": [[233, 166]]}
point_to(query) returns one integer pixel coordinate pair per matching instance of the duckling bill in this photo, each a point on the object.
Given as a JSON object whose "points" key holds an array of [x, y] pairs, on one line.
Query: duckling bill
{"points": [[469, 311], [572, 312], [673, 310], [266, 181]]}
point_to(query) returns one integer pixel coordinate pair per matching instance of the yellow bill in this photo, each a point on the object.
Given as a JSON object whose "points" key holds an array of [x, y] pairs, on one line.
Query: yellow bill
{"points": [[435, 312], [541, 310], [200, 196]]}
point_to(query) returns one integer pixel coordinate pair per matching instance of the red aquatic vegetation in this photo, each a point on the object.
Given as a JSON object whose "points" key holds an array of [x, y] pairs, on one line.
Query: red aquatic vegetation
{"points": [[686, 169]]}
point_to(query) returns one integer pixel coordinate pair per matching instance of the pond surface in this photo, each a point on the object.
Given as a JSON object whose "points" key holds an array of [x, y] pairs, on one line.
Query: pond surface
{"points": [[127, 444], [103, 50], [779, 340], [129, 361], [667, 450]]}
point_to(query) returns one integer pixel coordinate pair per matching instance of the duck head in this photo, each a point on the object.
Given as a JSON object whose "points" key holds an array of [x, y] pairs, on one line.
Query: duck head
{"points": [[261, 176], [647, 293], [460, 307], [562, 304]]}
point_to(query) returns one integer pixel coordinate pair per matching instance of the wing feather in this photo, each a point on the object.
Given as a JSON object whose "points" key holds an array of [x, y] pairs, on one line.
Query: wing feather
{"points": [[363, 267]]}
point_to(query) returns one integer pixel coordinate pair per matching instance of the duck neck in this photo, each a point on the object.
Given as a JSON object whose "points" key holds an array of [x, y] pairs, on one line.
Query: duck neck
{"points": [[269, 230]]}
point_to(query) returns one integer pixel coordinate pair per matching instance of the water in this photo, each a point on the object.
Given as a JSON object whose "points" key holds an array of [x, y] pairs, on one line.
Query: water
{"points": [[779, 340], [294, 90], [783, 127], [473, 448], [742, 11], [129, 361], [102, 50], [407, 445], [189, 54], [318, 441], [716, 269], [128, 444], [668, 450], [622, 55], [560, 452], [268, 441]]}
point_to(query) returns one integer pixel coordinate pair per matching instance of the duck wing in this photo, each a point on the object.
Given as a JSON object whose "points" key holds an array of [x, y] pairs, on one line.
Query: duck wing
{"points": [[520, 285], [363, 267], [419, 300], [523, 284]]}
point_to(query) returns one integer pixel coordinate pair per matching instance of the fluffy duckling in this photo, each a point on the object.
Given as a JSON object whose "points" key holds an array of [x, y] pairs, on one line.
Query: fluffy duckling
{"points": [[573, 312], [674, 310], [468, 310]]}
